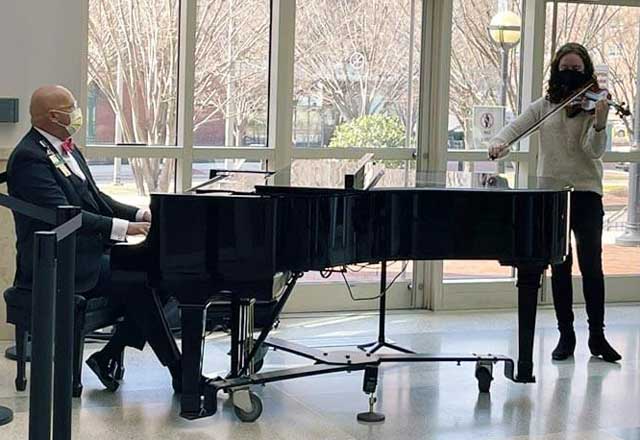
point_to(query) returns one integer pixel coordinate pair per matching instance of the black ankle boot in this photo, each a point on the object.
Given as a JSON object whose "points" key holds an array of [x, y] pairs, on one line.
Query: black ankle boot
{"points": [[600, 347], [566, 345]]}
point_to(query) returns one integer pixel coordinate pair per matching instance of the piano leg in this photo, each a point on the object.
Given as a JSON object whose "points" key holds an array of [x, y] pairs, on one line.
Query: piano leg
{"points": [[193, 327], [529, 277]]}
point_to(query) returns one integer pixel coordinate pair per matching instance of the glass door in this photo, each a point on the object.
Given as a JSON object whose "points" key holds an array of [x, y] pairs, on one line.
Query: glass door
{"points": [[355, 91], [484, 94]]}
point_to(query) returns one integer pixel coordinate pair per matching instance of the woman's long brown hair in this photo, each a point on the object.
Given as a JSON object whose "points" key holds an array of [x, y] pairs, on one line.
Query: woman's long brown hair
{"points": [[556, 92]]}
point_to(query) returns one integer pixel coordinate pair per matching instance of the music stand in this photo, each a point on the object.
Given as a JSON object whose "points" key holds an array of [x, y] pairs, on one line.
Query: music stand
{"points": [[363, 178], [382, 315], [218, 175], [362, 174]]}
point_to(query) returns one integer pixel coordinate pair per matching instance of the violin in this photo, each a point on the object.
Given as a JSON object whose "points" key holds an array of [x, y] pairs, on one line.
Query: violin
{"points": [[587, 102]]}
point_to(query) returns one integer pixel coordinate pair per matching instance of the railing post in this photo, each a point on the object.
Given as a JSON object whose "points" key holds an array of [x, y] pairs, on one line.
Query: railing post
{"points": [[42, 328], [63, 355]]}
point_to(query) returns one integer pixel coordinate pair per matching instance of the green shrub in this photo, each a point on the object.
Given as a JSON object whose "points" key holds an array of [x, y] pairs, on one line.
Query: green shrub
{"points": [[371, 131]]}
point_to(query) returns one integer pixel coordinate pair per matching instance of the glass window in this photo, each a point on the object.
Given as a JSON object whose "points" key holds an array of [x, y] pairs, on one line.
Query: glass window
{"points": [[617, 259], [329, 173], [401, 271], [610, 33], [244, 176], [131, 180], [356, 73], [485, 70], [133, 72], [231, 73]]}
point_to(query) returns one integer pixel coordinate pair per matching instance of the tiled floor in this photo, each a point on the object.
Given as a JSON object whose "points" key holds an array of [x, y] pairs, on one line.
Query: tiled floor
{"points": [[581, 399]]}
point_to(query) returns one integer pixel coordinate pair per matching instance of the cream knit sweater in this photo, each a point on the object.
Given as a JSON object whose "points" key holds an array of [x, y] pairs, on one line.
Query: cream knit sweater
{"points": [[570, 148]]}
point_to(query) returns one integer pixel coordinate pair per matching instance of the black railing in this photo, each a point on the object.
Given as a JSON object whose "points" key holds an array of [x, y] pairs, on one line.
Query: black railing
{"points": [[52, 318]]}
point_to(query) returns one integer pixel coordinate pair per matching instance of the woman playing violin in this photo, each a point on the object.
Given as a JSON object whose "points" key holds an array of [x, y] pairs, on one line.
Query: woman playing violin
{"points": [[572, 143]]}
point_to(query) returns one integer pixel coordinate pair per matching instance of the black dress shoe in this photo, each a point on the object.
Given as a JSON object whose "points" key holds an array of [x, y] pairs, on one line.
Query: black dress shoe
{"points": [[566, 346], [116, 370], [600, 347], [100, 367]]}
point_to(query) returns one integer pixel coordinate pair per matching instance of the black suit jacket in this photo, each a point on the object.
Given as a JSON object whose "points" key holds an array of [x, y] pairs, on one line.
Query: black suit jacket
{"points": [[33, 178]]}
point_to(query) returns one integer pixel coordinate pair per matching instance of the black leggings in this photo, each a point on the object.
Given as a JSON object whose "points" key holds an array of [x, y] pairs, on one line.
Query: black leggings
{"points": [[586, 223]]}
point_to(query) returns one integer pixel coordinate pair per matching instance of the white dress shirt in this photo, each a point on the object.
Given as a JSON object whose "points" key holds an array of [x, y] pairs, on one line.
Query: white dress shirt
{"points": [[118, 226]]}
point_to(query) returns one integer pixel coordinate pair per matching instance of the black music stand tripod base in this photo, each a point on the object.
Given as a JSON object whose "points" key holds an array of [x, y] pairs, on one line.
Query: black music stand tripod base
{"points": [[6, 416], [383, 344], [382, 316]]}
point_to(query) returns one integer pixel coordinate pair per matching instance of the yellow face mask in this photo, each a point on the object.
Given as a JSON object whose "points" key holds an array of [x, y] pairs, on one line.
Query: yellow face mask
{"points": [[75, 121]]}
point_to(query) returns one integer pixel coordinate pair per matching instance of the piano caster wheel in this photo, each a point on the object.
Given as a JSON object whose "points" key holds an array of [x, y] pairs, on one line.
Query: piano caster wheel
{"points": [[484, 374], [247, 405]]}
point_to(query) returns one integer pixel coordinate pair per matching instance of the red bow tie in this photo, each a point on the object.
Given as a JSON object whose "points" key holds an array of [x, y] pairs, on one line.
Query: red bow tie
{"points": [[68, 145]]}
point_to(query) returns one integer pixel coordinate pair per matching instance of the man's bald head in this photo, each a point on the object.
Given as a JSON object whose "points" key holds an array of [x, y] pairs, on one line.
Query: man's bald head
{"points": [[46, 104]]}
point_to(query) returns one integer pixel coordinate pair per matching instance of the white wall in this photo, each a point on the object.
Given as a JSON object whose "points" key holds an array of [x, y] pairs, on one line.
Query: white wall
{"points": [[41, 42]]}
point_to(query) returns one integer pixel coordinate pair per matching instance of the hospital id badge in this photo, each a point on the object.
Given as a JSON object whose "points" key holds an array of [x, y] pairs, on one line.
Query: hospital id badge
{"points": [[58, 162]]}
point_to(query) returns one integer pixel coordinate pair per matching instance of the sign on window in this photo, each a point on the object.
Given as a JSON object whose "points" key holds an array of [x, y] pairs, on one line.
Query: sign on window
{"points": [[487, 122], [602, 73]]}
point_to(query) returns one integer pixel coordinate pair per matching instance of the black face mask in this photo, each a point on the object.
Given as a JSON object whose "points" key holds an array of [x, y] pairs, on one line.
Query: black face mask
{"points": [[572, 79]]}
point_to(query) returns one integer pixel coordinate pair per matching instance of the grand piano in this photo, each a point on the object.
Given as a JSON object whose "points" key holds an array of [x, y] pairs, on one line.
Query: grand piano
{"points": [[243, 247]]}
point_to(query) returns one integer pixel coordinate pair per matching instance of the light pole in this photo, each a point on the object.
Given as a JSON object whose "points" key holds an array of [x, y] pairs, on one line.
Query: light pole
{"points": [[631, 235], [505, 31]]}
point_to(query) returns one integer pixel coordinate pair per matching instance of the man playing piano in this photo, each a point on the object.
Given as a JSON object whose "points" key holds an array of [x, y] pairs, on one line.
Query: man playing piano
{"points": [[48, 170]]}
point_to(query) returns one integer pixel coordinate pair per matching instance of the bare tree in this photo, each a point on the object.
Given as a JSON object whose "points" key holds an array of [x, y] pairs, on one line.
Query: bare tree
{"points": [[133, 62], [475, 60], [612, 39], [133, 55], [353, 55], [232, 64]]}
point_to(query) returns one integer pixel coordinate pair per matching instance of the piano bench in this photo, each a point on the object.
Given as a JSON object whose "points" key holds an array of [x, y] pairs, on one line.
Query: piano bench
{"points": [[90, 315]]}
